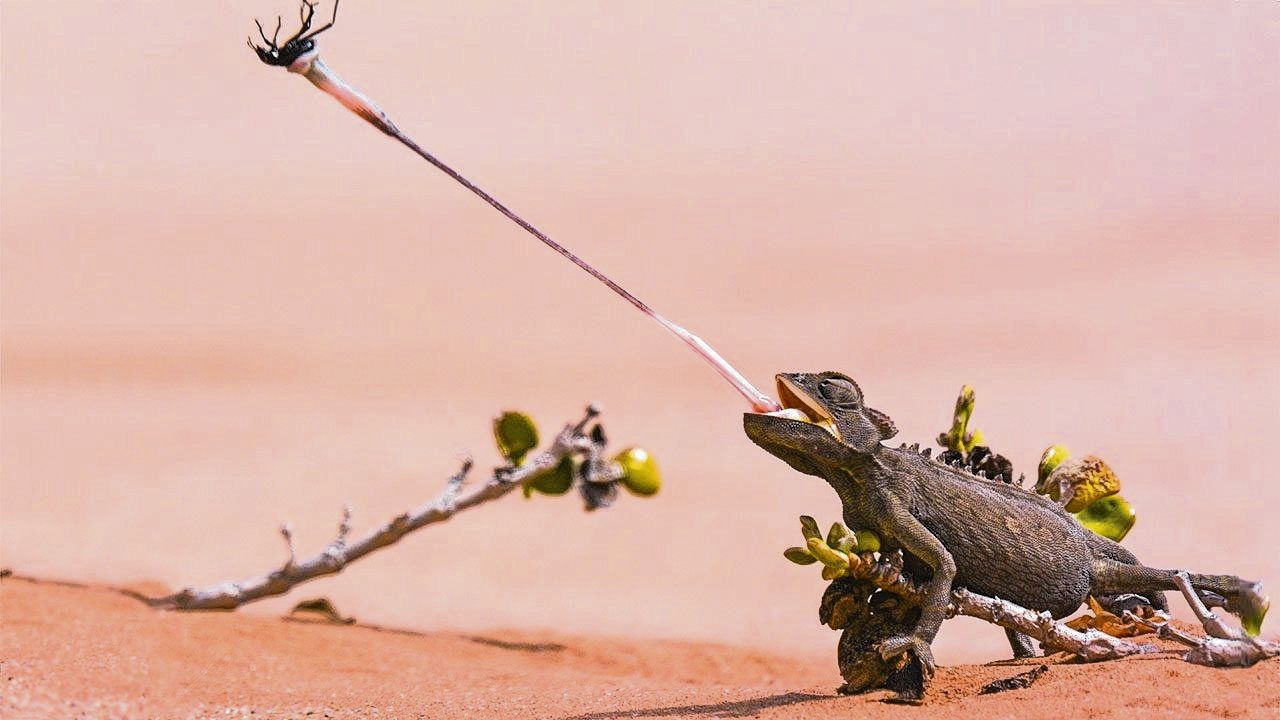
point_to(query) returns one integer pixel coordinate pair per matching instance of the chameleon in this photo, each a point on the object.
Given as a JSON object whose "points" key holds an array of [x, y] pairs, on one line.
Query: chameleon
{"points": [[955, 528]]}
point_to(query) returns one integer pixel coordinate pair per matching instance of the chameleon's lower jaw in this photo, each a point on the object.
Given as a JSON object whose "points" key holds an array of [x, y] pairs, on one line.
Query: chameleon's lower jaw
{"points": [[798, 414], [797, 405]]}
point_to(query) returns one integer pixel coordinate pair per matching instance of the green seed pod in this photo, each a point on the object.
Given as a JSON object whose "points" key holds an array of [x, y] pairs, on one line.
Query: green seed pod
{"points": [[827, 556], [515, 434], [1111, 517], [1051, 458], [847, 545], [799, 556], [830, 573], [809, 527], [554, 481], [836, 533], [639, 472], [867, 541]]}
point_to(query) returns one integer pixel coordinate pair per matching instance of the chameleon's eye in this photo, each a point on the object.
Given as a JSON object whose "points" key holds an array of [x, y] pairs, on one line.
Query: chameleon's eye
{"points": [[839, 392]]}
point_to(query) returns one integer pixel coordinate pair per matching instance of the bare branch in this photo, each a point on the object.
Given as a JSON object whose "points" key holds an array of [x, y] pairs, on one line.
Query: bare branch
{"points": [[1164, 629], [886, 573], [1242, 652], [571, 441], [1089, 645], [1212, 623]]}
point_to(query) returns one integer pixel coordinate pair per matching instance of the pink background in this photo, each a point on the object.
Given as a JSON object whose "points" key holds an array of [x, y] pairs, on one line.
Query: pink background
{"points": [[227, 302]]}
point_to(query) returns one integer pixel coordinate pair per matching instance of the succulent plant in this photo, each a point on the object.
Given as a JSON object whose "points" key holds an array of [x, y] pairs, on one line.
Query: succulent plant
{"points": [[809, 527], [1049, 461], [868, 541], [1075, 483], [1111, 517], [959, 437], [799, 555], [833, 550]]}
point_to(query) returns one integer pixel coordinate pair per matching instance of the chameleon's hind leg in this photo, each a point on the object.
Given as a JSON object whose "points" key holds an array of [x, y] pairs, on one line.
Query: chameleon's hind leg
{"points": [[1244, 598], [1021, 644]]}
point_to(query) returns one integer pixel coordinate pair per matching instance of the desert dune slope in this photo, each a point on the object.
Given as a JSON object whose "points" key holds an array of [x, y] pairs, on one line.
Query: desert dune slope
{"points": [[72, 651]]}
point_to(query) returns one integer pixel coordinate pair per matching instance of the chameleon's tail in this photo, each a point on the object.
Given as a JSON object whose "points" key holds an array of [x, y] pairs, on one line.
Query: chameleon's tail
{"points": [[1244, 598], [1105, 549]]}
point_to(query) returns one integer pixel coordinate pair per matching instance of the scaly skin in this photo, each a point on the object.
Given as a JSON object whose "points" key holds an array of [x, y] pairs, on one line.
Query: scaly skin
{"points": [[956, 529]]}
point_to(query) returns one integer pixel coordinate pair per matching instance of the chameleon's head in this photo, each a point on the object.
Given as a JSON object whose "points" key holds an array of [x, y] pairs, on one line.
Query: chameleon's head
{"points": [[824, 422]]}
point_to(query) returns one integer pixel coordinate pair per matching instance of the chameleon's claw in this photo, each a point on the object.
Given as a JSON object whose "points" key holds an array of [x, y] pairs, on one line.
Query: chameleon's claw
{"points": [[917, 646]]}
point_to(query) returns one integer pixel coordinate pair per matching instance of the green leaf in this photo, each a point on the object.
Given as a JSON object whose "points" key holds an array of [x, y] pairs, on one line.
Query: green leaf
{"points": [[554, 481], [809, 527], [868, 541], [1111, 517], [1049, 461], [799, 556], [832, 573], [515, 435], [836, 533], [826, 555]]}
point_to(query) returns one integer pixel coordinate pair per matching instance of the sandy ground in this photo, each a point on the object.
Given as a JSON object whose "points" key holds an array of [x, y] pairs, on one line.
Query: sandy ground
{"points": [[226, 303], [87, 652]]}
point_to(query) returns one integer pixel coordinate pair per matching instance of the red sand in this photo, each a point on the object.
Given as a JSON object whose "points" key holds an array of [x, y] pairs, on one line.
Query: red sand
{"points": [[75, 652]]}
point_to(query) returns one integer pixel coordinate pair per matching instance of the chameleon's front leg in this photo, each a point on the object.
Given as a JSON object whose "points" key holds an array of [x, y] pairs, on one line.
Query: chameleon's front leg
{"points": [[916, 539]]}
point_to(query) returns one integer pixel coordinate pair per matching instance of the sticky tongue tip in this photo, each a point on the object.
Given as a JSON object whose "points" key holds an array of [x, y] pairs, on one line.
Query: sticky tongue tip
{"points": [[762, 407]]}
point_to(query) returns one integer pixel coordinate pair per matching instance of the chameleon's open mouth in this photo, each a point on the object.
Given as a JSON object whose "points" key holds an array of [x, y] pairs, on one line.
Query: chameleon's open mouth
{"points": [[799, 405]]}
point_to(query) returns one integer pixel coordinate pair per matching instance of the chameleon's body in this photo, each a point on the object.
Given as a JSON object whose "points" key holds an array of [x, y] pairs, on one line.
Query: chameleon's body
{"points": [[955, 528]]}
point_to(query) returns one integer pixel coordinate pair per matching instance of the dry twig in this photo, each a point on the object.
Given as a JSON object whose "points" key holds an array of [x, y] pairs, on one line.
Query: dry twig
{"points": [[1228, 647], [1089, 645], [573, 441]]}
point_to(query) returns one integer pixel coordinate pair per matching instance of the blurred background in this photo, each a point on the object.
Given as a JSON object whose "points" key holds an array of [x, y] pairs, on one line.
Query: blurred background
{"points": [[227, 302]]}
